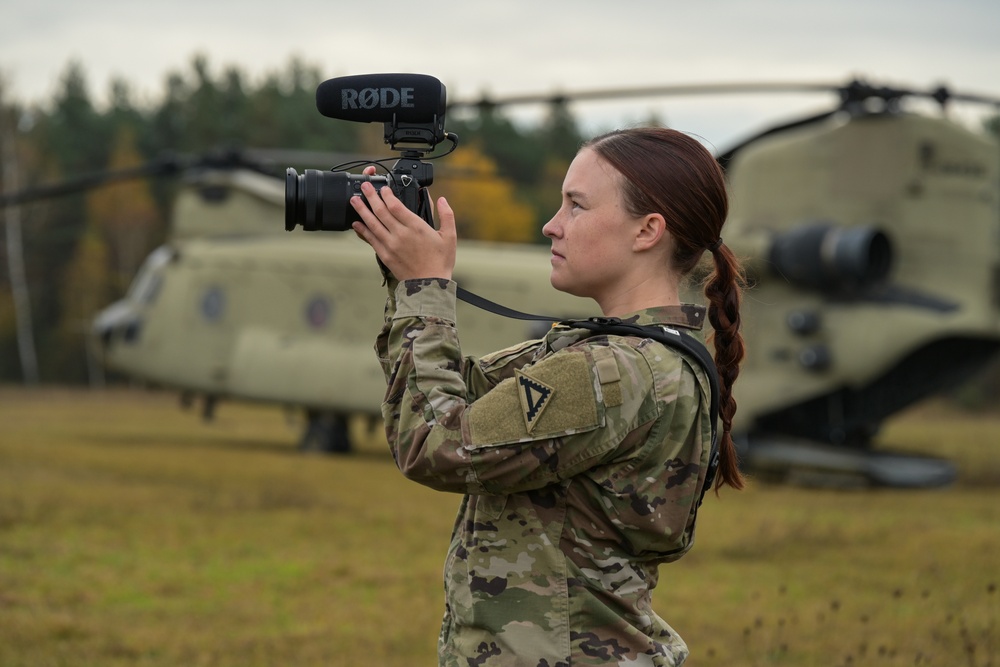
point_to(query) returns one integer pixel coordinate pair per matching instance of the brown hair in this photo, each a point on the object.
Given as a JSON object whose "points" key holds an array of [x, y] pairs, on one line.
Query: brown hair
{"points": [[668, 172]]}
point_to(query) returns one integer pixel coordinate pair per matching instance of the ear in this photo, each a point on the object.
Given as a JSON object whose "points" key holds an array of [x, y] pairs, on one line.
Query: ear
{"points": [[651, 229]]}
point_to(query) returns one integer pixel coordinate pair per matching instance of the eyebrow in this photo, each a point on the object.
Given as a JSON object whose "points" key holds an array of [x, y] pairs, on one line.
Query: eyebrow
{"points": [[575, 194]]}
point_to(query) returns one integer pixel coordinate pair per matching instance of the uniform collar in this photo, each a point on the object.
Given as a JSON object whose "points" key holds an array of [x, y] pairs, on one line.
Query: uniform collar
{"points": [[686, 315]]}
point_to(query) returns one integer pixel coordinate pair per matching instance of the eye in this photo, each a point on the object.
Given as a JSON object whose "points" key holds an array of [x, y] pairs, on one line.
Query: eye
{"points": [[573, 202]]}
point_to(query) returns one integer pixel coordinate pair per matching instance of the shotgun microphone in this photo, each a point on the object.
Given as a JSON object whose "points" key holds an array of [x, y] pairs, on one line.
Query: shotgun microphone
{"points": [[383, 98]]}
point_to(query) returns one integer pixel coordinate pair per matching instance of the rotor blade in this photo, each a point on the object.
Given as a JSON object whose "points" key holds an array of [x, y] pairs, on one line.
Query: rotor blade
{"points": [[168, 164], [294, 156], [160, 167], [852, 91], [651, 91], [943, 96]]}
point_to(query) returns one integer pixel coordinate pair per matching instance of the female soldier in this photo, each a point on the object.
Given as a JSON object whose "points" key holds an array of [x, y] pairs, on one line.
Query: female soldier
{"points": [[582, 458]]}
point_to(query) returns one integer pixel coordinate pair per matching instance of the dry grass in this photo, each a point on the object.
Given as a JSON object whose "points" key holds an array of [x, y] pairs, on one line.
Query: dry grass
{"points": [[133, 534]]}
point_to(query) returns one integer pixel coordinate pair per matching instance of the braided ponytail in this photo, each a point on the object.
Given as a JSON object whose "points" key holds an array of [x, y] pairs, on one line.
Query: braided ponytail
{"points": [[724, 292]]}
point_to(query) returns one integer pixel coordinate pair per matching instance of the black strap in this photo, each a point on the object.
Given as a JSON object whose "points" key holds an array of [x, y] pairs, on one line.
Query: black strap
{"points": [[674, 338], [495, 308]]}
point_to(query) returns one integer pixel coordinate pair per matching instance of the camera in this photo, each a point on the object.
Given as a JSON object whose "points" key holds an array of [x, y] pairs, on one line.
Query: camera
{"points": [[321, 200], [412, 109]]}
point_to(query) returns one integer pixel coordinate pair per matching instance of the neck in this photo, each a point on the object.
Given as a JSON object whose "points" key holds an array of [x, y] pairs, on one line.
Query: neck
{"points": [[648, 293]]}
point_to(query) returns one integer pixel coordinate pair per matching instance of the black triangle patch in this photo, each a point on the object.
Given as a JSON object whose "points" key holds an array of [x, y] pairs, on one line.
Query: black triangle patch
{"points": [[535, 396]]}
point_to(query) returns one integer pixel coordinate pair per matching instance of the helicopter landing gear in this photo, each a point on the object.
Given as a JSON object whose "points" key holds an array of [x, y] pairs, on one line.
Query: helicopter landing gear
{"points": [[326, 432], [801, 462]]}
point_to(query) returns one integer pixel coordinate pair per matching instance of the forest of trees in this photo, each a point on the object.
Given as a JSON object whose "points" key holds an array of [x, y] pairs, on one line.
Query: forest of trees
{"points": [[66, 257], [76, 253]]}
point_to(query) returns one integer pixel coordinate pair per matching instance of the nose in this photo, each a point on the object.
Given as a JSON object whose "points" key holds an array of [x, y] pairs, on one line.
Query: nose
{"points": [[551, 229]]}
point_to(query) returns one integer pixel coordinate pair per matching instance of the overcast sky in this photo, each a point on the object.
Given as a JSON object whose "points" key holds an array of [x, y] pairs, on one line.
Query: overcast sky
{"points": [[520, 46]]}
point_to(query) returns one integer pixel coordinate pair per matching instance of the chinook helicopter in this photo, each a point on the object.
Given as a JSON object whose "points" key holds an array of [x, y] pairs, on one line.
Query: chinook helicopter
{"points": [[871, 236]]}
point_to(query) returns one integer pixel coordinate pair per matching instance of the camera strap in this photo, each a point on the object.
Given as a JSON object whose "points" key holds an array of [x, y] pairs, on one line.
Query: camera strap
{"points": [[668, 336]]}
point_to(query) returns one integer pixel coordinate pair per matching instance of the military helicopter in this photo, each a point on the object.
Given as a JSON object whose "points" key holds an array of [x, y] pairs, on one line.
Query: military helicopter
{"points": [[874, 239], [871, 235], [288, 318]]}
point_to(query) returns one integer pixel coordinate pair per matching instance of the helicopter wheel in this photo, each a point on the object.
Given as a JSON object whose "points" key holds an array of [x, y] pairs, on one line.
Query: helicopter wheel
{"points": [[326, 432]]}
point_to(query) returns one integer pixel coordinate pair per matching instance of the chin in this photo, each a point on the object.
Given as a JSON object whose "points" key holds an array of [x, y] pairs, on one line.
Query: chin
{"points": [[557, 283], [562, 286]]}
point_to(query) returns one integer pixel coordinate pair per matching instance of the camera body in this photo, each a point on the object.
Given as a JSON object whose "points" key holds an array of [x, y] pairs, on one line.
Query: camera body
{"points": [[412, 107], [321, 200]]}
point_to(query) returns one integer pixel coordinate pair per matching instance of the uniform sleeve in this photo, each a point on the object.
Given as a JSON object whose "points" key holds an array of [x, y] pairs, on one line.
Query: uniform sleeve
{"points": [[480, 375], [534, 424]]}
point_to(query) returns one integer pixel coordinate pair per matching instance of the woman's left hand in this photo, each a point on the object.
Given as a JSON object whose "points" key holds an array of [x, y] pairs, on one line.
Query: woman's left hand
{"points": [[405, 243]]}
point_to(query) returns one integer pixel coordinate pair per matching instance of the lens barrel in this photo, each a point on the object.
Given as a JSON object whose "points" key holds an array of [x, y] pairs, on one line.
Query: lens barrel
{"points": [[321, 200]]}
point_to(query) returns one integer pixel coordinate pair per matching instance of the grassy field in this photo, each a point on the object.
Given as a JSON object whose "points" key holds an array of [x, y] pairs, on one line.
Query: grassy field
{"points": [[131, 533]]}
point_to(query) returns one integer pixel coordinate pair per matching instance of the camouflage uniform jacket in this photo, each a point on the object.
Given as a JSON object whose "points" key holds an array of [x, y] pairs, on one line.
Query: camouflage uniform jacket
{"points": [[581, 459]]}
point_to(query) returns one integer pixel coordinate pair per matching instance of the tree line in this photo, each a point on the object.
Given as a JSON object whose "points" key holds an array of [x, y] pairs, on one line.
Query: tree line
{"points": [[66, 257]]}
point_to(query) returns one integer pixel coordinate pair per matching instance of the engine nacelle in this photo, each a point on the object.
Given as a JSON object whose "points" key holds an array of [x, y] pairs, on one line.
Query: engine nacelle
{"points": [[830, 258]]}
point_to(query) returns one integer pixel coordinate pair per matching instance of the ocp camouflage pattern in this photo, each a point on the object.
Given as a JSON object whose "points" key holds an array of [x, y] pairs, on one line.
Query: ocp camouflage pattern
{"points": [[581, 459]]}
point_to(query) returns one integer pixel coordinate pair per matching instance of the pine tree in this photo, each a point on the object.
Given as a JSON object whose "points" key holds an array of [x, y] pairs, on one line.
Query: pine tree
{"points": [[84, 292], [125, 215]]}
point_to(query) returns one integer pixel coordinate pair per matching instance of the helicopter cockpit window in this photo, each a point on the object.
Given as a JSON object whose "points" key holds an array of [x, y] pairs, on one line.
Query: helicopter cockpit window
{"points": [[146, 286]]}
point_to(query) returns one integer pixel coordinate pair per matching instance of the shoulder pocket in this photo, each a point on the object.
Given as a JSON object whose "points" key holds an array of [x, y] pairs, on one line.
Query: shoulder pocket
{"points": [[500, 358], [555, 397]]}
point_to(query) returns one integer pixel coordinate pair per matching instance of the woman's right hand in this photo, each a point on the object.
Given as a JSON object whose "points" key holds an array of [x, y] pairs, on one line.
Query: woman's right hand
{"points": [[406, 244]]}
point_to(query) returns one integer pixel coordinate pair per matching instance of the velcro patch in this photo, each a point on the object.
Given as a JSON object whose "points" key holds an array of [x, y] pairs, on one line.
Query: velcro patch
{"points": [[552, 398]]}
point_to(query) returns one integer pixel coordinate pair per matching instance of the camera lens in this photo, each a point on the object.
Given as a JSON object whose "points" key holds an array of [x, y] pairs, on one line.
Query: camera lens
{"points": [[291, 198], [321, 200]]}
